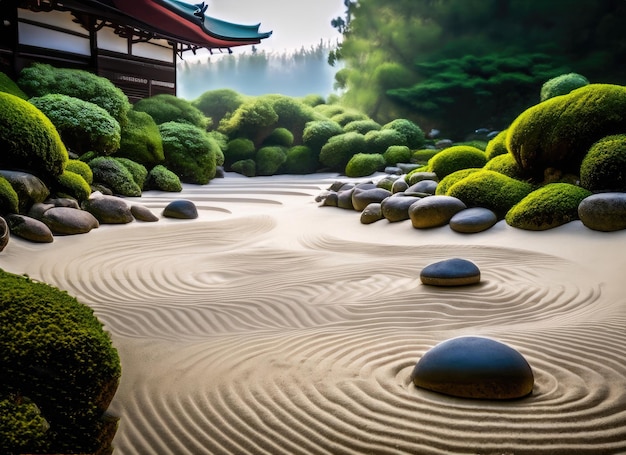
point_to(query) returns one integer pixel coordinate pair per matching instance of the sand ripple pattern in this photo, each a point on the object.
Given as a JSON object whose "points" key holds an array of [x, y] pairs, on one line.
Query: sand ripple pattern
{"points": [[307, 349]]}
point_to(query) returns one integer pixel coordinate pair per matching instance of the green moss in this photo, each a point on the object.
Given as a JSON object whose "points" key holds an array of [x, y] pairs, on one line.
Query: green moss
{"points": [[189, 152], [379, 141], [81, 168], [397, 154], [7, 85], [22, 427], [490, 190], [450, 179], [165, 108], [54, 351], [505, 164], [9, 200], [562, 85], [348, 116], [497, 146], [556, 134], [423, 156], [162, 179], [413, 136], [362, 126], [83, 126], [336, 153], [29, 140], [548, 207], [138, 171], [456, 158], [239, 149], [217, 104], [363, 164], [604, 166], [141, 140], [269, 160], [281, 137], [73, 185], [114, 175], [300, 160], [245, 167], [317, 133]]}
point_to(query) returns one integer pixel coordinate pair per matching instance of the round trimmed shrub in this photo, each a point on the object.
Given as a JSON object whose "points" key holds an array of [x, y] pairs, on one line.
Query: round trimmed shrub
{"points": [[491, 190], [362, 126], [217, 104], [140, 140], [239, 149], [300, 160], [317, 133], [336, 153], [423, 156], [548, 207], [138, 171], [456, 158], [81, 168], [55, 352], [189, 152], [165, 108], [281, 137], [83, 126], [270, 159], [397, 154], [557, 133], [496, 146], [114, 175], [381, 140], [22, 427], [245, 167], [162, 179], [29, 140], [329, 110], [348, 116], [450, 179], [9, 200], [412, 134], [562, 85], [363, 164], [505, 164], [73, 185], [604, 166]]}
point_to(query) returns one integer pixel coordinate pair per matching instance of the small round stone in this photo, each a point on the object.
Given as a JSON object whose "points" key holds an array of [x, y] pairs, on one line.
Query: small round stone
{"points": [[474, 367], [182, 209], [472, 220], [451, 272]]}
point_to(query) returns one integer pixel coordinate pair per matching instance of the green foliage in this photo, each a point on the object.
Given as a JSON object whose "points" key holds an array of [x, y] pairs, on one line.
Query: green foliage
{"points": [[189, 152], [73, 185], [336, 153], [490, 190], [165, 108], [412, 134], [239, 149], [300, 160], [456, 158], [114, 175], [562, 85], [141, 140], [245, 167], [162, 179], [497, 145], [138, 171], [83, 126], [397, 154], [54, 351], [381, 140], [329, 110], [218, 104], [450, 179], [318, 132], [28, 139], [42, 79], [547, 207], [81, 168], [22, 427], [423, 156], [557, 133], [505, 164], [281, 137], [363, 164], [7, 85], [604, 166], [9, 200], [349, 116], [270, 159], [362, 126], [313, 100]]}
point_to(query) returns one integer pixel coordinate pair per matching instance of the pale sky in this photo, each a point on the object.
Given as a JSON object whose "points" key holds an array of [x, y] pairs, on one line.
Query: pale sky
{"points": [[295, 23]]}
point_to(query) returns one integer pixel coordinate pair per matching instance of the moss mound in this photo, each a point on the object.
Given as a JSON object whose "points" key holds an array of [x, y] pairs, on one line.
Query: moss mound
{"points": [[71, 184], [562, 85], [7, 85], [165, 108], [604, 166], [9, 200], [114, 175], [245, 167], [270, 159], [490, 190], [336, 153], [557, 133], [81, 168], [189, 152], [318, 132], [397, 154], [456, 158], [162, 179], [363, 164], [300, 160], [140, 140], [505, 164], [449, 180], [548, 207], [239, 149], [281, 137], [55, 354], [496, 146]]}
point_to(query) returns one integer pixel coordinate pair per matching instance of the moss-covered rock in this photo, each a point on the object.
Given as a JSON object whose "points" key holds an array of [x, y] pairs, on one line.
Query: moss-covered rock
{"points": [[165, 108], [318, 132], [363, 164], [456, 158], [22, 427], [397, 154], [270, 159], [138, 171], [7, 85], [29, 140], [413, 136], [140, 140], [81, 168], [244, 167], [114, 175], [496, 146], [71, 184], [239, 149], [562, 85], [162, 179], [300, 160], [189, 152], [219, 103], [423, 156], [557, 133], [604, 166], [336, 153], [505, 164], [281, 137], [491, 190], [9, 201], [547, 207], [362, 126], [381, 140], [54, 351]]}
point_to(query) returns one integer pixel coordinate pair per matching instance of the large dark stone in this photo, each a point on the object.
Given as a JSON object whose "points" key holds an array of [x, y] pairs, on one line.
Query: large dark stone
{"points": [[423, 186], [29, 228], [143, 213], [344, 199], [362, 198], [434, 211], [604, 212], [29, 189], [472, 220], [372, 213], [182, 209], [416, 177], [474, 367], [450, 272], [109, 209], [69, 221], [396, 208]]}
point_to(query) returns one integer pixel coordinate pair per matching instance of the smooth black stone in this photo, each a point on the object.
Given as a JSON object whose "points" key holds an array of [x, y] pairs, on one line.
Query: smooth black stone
{"points": [[451, 272]]}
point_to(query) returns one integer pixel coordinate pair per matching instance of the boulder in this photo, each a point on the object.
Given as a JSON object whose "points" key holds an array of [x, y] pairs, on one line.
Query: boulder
{"points": [[434, 211], [29, 228], [330, 200], [419, 176], [344, 199], [474, 367], [181, 209], [475, 219], [29, 189], [69, 221], [423, 186], [450, 272], [362, 198], [604, 211], [396, 208], [143, 213], [372, 213], [399, 186], [108, 209]]}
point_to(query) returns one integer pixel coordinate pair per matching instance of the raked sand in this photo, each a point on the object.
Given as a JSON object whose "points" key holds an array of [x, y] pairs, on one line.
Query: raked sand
{"points": [[273, 326]]}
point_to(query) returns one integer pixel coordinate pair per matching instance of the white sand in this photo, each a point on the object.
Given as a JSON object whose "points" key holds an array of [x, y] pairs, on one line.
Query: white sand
{"points": [[273, 326]]}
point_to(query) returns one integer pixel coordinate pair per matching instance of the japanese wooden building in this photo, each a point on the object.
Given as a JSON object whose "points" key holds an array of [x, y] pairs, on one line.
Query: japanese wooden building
{"points": [[134, 43]]}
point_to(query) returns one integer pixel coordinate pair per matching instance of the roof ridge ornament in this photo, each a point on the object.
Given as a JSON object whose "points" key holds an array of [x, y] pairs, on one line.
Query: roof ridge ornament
{"points": [[202, 7]]}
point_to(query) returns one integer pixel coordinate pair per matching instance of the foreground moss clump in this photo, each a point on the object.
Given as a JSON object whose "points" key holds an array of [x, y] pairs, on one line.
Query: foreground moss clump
{"points": [[456, 158], [114, 175], [562, 85], [71, 184], [165, 108], [336, 153], [140, 140], [548, 207], [55, 354], [604, 166], [162, 179], [363, 164], [269, 159]]}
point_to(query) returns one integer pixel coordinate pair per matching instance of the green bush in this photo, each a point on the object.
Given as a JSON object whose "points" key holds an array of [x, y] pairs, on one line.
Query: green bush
{"points": [[22, 427], [54, 351], [348, 116], [253, 120], [189, 152], [411, 133], [548, 207], [9, 200], [165, 108], [245, 167], [450, 179], [313, 99], [114, 175], [270, 159], [363, 164], [397, 154], [562, 85], [381, 140], [336, 153], [490, 190], [300, 160], [239, 149], [81, 168], [138, 171], [281, 137], [141, 140], [162, 179], [217, 104], [505, 164], [7, 85], [329, 110], [496, 146], [83, 126], [73, 185], [604, 166], [41, 79], [456, 158], [29, 140], [423, 156], [557, 133], [317, 133], [362, 126]]}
